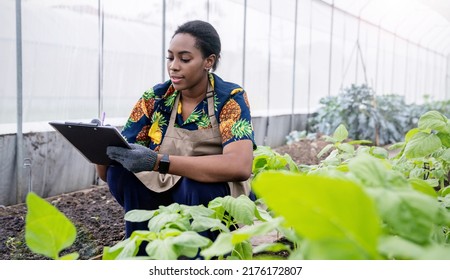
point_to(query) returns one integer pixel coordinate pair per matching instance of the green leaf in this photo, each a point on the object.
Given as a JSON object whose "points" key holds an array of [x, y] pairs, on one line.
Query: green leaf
{"points": [[129, 247], [422, 144], [188, 243], [160, 221], [445, 156], [347, 148], [340, 134], [196, 211], [332, 249], [321, 208], [445, 139], [161, 249], [243, 251], [379, 152], [444, 192], [221, 246], [108, 254], [70, 257], [201, 223], [409, 214], [258, 229], [140, 215], [422, 186], [434, 120], [325, 150], [242, 208], [394, 247], [373, 172], [410, 134], [47, 230]]}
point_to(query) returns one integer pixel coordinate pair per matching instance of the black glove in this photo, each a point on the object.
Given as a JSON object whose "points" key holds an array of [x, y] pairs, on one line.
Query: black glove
{"points": [[136, 159]]}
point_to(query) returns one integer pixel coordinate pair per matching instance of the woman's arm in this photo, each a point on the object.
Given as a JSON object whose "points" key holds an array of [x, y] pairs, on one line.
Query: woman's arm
{"points": [[101, 171]]}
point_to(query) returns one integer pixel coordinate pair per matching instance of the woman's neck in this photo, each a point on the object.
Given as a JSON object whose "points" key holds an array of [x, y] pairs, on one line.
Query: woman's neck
{"points": [[196, 93]]}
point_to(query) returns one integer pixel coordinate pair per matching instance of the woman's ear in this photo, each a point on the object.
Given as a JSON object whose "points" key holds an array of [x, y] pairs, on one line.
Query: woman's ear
{"points": [[210, 61]]}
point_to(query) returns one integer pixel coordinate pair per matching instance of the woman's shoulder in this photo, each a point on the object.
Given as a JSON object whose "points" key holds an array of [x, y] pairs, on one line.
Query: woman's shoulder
{"points": [[224, 88]]}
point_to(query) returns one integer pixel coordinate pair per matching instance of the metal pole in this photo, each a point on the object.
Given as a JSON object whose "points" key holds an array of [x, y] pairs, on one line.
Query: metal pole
{"points": [[100, 57], [27, 164], [19, 137], [294, 66], [331, 48], [268, 75], [163, 61], [309, 59]]}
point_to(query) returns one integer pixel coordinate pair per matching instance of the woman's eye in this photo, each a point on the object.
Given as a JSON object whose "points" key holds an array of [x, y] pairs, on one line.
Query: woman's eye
{"points": [[169, 58], [185, 60]]}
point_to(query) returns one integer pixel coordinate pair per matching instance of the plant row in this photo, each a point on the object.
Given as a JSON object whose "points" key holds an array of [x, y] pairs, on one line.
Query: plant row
{"points": [[357, 203]]}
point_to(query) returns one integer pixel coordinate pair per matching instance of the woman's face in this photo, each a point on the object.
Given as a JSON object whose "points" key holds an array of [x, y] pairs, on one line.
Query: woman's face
{"points": [[185, 63]]}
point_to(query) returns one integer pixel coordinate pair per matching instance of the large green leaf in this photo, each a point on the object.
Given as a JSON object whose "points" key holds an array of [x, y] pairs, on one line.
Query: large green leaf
{"points": [[47, 230], [395, 247], [241, 208], [321, 208], [331, 249], [409, 213], [434, 120], [373, 172], [422, 144]]}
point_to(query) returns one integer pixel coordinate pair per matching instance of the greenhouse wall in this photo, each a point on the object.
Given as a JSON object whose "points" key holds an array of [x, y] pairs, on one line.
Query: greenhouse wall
{"points": [[67, 60]]}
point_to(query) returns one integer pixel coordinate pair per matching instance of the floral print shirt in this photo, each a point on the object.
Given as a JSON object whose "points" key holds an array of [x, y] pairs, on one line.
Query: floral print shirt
{"points": [[149, 118]]}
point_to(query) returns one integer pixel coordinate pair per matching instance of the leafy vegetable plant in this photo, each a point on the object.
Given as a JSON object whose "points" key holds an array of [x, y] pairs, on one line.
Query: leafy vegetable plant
{"points": [[174, 231], [47, 230]]}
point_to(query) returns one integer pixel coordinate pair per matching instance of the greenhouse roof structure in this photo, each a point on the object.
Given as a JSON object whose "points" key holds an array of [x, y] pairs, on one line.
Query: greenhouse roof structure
{"points": [[425, 22]]}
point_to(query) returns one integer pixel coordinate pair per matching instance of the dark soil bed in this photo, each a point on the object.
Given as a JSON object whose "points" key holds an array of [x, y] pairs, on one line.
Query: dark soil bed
{"points": [[97, 216]]}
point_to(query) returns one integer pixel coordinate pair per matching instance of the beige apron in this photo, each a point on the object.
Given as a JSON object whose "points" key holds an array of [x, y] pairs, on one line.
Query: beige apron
{"points": [[183, 142]]}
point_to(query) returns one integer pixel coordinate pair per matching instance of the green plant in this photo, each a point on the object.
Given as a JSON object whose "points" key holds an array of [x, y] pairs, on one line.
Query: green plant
{"points": [[382, 119], [369, 211], [173, 231], [425, 153], [341, 150], [356, 204], [267, 159], [354, 107], [47, 230]]}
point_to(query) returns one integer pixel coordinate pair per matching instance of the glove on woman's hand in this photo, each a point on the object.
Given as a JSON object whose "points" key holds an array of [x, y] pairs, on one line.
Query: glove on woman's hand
{"points": [[136, 159]]}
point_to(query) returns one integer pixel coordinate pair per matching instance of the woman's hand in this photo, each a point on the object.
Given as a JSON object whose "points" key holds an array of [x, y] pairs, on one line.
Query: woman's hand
{"points": [[136, 159]]}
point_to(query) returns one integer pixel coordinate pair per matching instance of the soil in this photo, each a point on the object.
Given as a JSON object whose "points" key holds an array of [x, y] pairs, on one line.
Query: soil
{"points": [[98, 217]]}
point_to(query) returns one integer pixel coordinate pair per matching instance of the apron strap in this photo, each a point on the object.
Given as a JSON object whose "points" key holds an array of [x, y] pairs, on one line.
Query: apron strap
{"points": [[211, 113]]}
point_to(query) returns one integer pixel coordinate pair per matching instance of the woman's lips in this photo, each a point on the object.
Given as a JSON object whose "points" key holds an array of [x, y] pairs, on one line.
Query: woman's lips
{"points": [[175, 80]]}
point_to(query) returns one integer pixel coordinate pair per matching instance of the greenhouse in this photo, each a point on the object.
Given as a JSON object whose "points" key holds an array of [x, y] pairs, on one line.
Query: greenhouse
{"points": [[373, 71]]}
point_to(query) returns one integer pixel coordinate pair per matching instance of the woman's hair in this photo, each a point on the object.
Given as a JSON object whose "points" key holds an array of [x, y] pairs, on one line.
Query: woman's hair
{"points": [[206, 37]]}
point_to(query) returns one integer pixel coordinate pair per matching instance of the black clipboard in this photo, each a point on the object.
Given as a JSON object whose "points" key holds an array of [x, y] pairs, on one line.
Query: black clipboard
{"points": [[91, 139]]}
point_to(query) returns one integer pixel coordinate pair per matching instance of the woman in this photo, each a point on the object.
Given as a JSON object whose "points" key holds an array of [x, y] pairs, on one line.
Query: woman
{"points": [[192, 138]]}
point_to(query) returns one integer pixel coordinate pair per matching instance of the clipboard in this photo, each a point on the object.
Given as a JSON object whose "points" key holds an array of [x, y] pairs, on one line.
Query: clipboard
{"points": [[91, 139]]}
